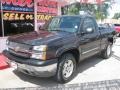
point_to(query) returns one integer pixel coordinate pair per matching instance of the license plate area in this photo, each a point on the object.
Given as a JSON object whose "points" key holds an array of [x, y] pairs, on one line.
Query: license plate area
{"points": [[14, 65]]}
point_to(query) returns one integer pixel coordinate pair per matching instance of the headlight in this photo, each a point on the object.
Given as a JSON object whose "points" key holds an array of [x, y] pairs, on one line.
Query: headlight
{"points": [[7, 42], [39, 52], [40, 48]]}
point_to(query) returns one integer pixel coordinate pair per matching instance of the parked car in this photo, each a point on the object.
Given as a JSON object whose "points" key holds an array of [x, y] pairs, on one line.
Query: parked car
{"points": [[108, 28], [57, 49], [102, 26], [117, 28]]}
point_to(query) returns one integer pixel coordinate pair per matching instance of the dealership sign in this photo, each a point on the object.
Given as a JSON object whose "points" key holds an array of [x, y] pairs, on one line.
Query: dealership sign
{"points": [[25, 16], [44, 17], [18, 9], [18, 5], [47, 6], [46, 9], [17, 16]]}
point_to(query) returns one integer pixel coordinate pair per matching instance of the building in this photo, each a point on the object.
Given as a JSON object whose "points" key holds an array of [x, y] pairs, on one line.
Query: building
{"points": [[19, 16], [16, 16]]}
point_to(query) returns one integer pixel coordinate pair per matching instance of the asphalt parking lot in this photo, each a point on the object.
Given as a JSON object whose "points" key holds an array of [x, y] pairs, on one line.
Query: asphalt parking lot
{"points": [[94, 69]]}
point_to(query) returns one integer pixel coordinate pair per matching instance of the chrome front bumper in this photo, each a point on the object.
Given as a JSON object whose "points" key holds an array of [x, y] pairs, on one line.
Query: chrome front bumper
{"points": [[33, 67], [42, 71]]}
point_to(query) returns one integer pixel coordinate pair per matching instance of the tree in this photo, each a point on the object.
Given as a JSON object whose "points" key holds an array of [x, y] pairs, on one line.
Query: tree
{"points": [[116, 16], [73, 10], [102, 11], [99, 10]]}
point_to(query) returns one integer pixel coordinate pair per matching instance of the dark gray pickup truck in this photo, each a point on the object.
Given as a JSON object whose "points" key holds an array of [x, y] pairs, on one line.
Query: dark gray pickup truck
{"points": [[57, 49]]}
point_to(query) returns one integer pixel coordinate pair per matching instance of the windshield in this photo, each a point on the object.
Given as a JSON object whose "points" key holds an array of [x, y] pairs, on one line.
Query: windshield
{"points": [[68, 24]]}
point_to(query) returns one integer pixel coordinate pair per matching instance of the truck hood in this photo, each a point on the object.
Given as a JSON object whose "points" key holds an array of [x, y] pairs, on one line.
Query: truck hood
{"points": [[38, 38]]}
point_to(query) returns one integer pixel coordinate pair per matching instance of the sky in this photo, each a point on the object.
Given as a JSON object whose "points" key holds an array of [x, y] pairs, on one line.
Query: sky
{"points": [[115, 8]]}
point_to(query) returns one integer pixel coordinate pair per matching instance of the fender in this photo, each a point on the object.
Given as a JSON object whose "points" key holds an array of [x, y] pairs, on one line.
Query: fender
{"points": [[62, 50]]}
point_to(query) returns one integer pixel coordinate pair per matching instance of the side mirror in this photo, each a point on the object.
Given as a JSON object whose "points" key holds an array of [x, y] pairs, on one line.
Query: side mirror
{"points": [[41, 28], [89, 30]]}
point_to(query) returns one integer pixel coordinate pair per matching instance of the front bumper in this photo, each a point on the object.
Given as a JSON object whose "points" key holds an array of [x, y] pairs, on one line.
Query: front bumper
{"points": [[44, 71], [34, 67]]}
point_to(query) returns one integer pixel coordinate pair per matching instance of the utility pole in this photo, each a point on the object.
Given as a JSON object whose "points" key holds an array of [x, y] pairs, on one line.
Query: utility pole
{"points": [[35, 15], [2, 22]]}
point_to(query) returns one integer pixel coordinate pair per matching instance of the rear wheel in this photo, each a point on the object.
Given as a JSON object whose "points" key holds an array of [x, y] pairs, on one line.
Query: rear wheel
{"points": [[66, 68], [107, 52], [119, 35]]}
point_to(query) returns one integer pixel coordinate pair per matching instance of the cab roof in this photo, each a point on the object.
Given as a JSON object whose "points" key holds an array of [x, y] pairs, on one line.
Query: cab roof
{"points": [[81, 16]]}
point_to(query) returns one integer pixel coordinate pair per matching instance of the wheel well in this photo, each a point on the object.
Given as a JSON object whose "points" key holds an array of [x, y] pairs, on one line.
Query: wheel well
{"points": [[111, 40], [75, 53]]}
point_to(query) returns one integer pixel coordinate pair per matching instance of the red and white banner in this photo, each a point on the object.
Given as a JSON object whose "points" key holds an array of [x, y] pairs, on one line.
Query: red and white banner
{"points": [[44, 10]]}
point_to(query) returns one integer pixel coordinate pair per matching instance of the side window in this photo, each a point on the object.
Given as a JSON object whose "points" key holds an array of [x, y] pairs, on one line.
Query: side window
{"points": [[88, 23]]}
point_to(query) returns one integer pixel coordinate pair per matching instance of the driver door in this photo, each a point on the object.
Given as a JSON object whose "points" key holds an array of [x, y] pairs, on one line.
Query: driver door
{"points": [[89, 42]]}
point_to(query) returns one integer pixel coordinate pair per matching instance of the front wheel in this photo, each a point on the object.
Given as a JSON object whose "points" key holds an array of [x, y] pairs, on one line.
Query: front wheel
{"points": [[66, 68], [107, 52]]}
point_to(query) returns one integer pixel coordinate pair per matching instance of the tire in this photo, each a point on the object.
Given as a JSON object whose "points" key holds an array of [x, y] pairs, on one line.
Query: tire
{"points": [[66, 68], [118, 35], [107, 52]]}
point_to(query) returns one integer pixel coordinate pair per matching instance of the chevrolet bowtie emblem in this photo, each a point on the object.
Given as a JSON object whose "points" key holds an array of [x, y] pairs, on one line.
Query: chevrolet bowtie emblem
{"points": [[17, 49]]}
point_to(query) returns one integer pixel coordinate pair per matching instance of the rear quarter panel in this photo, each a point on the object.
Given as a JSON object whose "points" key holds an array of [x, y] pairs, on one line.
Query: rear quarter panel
{"points": [[106, 34]]}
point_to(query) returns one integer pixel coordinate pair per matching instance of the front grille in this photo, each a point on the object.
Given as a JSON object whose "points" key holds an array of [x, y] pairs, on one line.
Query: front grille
{"points": [[18, 49], [21, 54]]}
